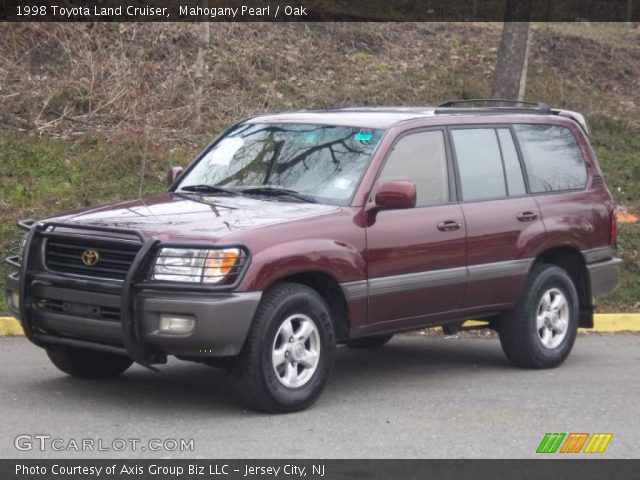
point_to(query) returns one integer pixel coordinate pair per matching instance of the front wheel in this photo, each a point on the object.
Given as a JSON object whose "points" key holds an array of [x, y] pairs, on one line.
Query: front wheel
{"points": [[83, 363], [540, 331], [289, 352]]}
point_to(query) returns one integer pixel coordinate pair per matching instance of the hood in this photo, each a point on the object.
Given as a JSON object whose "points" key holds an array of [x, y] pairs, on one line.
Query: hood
{"points": [[180, 217]]}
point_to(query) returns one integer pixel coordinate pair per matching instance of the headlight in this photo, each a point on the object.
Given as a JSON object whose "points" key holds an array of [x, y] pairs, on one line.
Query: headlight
{"points": [[195, 265]]}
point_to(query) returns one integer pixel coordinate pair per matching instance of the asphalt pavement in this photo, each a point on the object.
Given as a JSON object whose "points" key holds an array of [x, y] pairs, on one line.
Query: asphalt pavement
{"points": [[417, 397]]}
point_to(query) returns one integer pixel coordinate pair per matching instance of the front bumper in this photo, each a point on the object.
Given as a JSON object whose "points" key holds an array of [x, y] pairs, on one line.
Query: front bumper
{"points": [[124, 317], [222, 320], [604, 276]]}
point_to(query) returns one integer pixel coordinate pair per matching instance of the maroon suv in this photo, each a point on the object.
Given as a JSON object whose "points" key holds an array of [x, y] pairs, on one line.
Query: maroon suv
{"points": [[294, 232]]}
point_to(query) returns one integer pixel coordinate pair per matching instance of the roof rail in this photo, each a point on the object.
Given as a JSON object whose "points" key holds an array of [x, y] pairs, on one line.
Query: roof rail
{"points": [[538, 108], [537, 105]]}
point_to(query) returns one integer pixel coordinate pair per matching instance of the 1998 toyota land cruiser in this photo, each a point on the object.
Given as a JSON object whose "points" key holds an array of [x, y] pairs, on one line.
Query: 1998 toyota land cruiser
{"points": [[293, 232]]}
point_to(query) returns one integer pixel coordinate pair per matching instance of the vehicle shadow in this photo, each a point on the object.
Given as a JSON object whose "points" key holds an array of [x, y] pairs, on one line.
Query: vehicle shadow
{"points": [[418, 356], [198, 388]]}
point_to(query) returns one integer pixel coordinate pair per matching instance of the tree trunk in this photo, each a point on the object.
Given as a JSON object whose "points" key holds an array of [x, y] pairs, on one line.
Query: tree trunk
{"points": [[511, 67], [203, 45], [525, 69]]}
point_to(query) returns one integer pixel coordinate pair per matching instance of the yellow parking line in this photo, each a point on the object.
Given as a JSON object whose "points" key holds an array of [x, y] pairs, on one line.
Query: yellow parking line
{"points": [[604, 322]]}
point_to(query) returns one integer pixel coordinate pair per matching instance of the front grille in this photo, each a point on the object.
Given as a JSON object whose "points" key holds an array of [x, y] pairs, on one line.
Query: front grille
{"points": [[65, 255]]}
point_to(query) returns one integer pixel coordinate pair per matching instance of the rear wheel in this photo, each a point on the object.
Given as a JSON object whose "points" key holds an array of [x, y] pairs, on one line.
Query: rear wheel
{"points": [[541, 330], [83, 363], [289, 352], [369, 342]]}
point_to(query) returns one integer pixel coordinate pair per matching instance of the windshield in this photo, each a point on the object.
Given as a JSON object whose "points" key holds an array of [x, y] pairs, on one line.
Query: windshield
{"points": [[321, 162]]}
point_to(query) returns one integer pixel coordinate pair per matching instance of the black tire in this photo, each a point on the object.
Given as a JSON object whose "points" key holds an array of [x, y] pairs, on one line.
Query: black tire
{"points": [[369, 342], [257, 382], [520, 337], [91, 364]]}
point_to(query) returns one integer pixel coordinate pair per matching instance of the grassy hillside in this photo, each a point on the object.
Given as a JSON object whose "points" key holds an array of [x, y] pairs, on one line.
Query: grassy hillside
{"points": [[85, 105]]}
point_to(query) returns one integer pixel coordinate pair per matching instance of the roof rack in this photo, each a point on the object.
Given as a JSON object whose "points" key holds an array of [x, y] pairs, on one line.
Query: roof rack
{"points": [[537, 105], [449, 107]]}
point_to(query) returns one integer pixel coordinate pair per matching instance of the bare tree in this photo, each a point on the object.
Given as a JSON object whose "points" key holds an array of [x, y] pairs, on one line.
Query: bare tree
{"points": [[511, 67]]}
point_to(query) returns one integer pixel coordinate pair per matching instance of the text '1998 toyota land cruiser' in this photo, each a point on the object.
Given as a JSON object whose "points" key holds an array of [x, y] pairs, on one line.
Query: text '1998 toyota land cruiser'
{"points": [[294, 232]]}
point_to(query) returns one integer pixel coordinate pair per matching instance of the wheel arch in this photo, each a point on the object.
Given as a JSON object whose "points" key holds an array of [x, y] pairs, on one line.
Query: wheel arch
{"points": [[571, 260], [329, 289]]}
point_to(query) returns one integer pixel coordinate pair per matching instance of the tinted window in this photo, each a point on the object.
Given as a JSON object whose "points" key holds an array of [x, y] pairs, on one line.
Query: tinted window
{"points": [[479, 163], [420, 158], [552, 157], [512, 167]]}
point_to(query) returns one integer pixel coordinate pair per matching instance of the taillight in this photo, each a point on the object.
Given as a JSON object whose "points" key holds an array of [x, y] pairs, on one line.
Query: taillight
{"points": [[613, 229]]}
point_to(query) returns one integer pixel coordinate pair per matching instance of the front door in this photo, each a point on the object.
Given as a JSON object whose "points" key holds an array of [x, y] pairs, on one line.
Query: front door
{"points": [[416, 257]]}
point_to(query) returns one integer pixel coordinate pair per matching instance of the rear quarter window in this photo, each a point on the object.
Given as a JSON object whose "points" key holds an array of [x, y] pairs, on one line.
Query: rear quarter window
{"points": [[552, 158]]}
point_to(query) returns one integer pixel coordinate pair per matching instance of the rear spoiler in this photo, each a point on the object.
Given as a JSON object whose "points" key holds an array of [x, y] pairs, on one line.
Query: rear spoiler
{"points": [[575, 116]]}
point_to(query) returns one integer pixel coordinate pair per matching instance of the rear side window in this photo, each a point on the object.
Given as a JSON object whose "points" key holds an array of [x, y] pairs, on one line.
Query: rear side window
{"points": [[552, 158], [512, 167], [479, 163], [420, 158]]}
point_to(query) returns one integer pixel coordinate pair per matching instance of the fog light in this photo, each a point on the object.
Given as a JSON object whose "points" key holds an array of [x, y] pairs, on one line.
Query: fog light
{"points": [[14, 300], [177, 324]]}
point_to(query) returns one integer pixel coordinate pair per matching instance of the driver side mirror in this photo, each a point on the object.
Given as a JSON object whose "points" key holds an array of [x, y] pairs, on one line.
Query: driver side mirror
{"points": [[396, 195], [173, 174]]}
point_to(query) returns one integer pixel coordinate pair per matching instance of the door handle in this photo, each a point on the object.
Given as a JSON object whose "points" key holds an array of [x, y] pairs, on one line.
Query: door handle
{"points": [[527, 216], [448, 226]]}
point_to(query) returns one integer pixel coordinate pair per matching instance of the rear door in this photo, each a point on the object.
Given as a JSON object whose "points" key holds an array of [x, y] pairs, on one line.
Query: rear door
{"points": [[557, 168], [416, 257], [504, 225]]}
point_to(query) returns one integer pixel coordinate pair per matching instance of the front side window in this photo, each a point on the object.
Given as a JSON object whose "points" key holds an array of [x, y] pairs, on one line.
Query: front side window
{"points": [[322, 163], [420, 158], [552, 158]]}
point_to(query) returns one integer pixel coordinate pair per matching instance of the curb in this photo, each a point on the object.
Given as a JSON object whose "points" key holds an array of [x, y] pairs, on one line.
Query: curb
{"points": [[604, 322], [615, 322], [10, 327]]}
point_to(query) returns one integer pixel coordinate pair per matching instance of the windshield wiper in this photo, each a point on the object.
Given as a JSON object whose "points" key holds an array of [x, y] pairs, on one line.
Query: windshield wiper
{"points": [[203, 188], [277, 192]]}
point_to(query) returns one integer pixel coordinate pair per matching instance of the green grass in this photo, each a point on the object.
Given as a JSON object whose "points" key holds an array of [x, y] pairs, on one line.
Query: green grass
{"points": [[42, 176], [617, 146]]}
